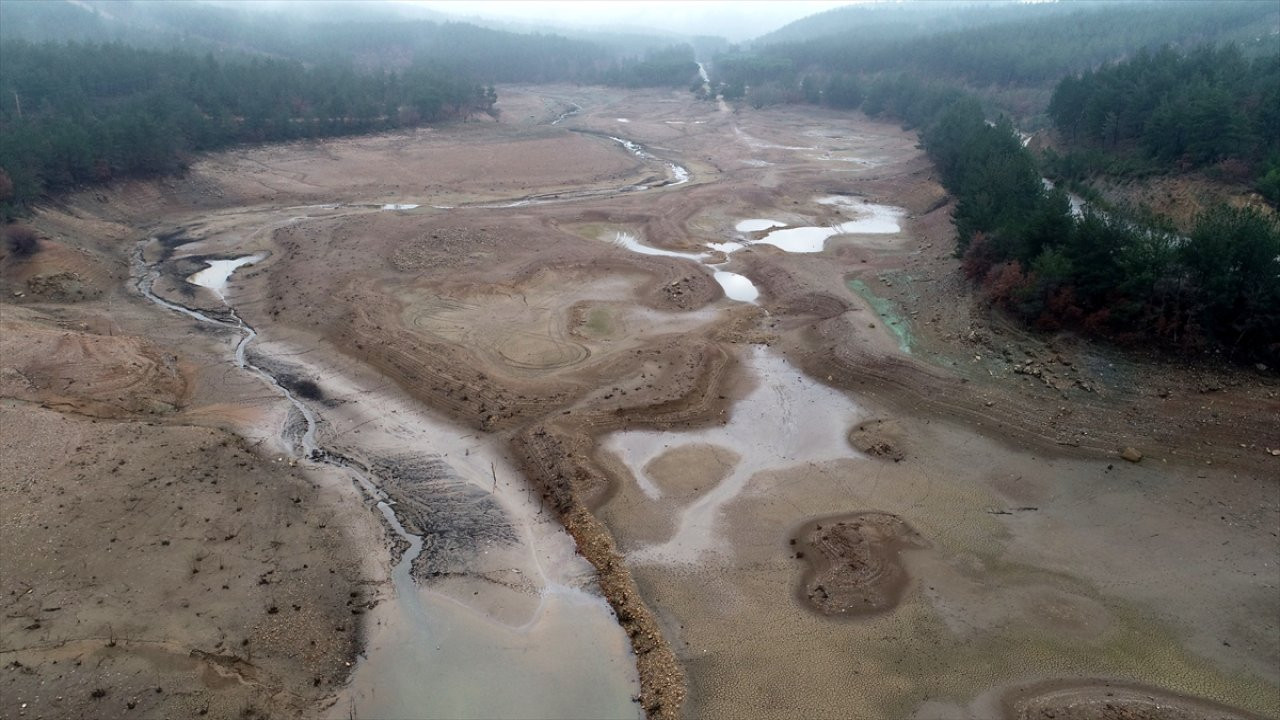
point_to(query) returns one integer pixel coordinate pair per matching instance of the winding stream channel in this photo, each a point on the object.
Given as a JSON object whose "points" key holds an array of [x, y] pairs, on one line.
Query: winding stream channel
{"points": [[433, 652], [522, 630]]}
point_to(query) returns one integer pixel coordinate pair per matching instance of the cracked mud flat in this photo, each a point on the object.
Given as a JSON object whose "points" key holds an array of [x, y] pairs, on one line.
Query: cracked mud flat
{"points": [[603, 458]]}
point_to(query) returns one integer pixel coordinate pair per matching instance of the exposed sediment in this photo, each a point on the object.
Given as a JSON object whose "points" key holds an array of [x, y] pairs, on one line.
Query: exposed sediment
{"points": [[852, 564], [535, 337], [557, 458], [1105, 700], [549, 460]]}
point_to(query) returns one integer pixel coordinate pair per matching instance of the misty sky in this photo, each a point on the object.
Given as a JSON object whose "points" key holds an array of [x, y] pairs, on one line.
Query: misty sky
{"points": [[735, 20]]}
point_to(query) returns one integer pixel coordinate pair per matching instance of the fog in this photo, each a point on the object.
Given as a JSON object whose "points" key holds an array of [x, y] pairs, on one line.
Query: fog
{"points": [[733, 20]]}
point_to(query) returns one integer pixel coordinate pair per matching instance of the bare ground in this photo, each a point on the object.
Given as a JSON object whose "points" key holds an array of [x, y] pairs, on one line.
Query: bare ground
{"points": [[1036, 555]]}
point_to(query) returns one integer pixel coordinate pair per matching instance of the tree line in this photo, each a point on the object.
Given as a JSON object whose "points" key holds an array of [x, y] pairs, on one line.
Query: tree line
{"points": [[80, 114], [1102, 274], [1106, 274], [75, 114], [1168, 111], [1016, 47]]}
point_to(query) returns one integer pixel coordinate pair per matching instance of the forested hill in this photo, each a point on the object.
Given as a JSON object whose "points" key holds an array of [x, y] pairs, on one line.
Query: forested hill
{"points": [[367, 35], [184, 77], [897, 21], [77, 114], [1168, 112], [1025, 46], [1119, 275]]}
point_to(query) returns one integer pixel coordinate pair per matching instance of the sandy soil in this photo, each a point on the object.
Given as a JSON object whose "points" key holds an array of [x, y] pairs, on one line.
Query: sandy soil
{"points": [[983, 550], [162, 557]]}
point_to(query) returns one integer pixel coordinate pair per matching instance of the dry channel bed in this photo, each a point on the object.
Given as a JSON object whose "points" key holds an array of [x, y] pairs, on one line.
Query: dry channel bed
{"points": [[860, 496]]}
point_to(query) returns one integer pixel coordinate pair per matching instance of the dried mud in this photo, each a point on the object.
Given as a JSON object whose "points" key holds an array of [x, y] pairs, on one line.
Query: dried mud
{"points": [[978, 527], [1110, 701]]}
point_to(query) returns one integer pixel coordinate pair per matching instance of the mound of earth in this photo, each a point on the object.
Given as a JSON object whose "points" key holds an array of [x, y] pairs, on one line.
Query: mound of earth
{"points": [[58, 273], [853, 564], [1097, 700], [880, 438], [83, 372]]}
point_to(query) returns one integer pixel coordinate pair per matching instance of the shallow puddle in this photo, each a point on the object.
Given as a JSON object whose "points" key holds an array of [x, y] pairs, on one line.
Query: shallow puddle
{"points": [[632, 243], [736, 287], [787, 420], [437, 659], [800, 239], [216, 276], [758, 224], [726, 247], [400, 206], [868, 219]]}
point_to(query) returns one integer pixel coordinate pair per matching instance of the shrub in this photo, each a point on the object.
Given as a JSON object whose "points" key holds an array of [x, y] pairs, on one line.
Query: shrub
{"points": [[23, 241]]}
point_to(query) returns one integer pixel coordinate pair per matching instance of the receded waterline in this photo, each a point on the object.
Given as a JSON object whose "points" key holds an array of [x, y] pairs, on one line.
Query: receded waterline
{"points": [[445, 637]]}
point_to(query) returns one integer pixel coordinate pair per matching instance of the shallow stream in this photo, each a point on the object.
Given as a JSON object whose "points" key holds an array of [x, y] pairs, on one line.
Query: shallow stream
{"points": [[537, 641]]}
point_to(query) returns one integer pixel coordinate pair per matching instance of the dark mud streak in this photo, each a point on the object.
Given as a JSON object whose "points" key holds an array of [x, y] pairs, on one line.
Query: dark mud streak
{"points": [[455, 519]]}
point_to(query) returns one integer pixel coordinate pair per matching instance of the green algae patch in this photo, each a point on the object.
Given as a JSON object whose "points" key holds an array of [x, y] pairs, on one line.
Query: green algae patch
{"points": [[887, 311], [600, 323]]}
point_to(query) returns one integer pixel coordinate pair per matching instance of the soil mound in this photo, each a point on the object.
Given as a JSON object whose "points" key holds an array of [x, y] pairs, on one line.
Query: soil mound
{"points": [[57, 273], [881, 438], [1100, 700], [98, 375], [853, 565]]}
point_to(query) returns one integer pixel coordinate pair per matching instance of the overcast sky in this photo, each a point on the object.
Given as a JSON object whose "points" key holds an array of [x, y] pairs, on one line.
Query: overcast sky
{"points": [[735, 20]]}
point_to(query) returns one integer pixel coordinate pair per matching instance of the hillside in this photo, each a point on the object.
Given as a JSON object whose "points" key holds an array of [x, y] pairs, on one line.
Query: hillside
{"points": [[1002, 51], [182, 78]]}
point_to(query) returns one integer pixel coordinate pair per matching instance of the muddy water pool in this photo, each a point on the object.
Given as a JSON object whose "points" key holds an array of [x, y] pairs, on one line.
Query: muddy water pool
{"points": [[758, 224], [736, 287], [866, 219], [786, 420], [216, 276]]}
